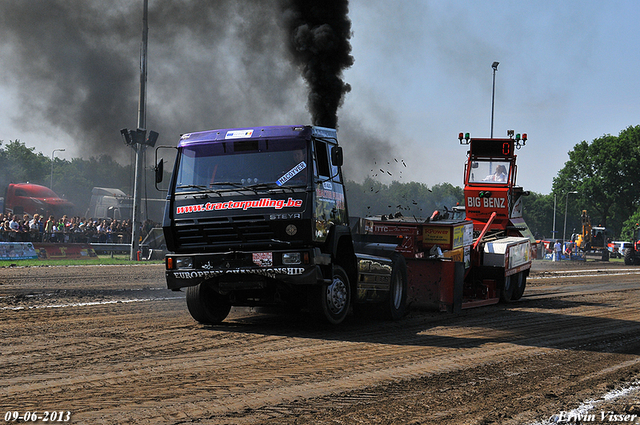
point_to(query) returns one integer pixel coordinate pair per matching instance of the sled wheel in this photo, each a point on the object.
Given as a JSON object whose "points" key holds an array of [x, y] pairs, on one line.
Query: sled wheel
{"points": [[518, 286], [507, 289]]}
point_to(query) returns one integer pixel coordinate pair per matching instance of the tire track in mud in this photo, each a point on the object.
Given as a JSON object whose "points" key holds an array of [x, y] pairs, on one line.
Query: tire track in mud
{"points": [[151, 363], [252, 363]]}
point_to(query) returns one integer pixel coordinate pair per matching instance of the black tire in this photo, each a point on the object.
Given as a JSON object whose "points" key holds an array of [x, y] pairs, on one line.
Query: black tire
{"points": [[506, 294], [331, 302], [205, 305], [629, 255], [519, 286], [395, 307]]}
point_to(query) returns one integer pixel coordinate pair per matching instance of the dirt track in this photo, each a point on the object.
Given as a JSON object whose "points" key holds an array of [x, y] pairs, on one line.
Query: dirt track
{"points": [[111, 345]]}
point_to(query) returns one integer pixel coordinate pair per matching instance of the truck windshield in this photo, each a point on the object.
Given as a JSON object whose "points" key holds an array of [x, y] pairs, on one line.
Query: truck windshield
{"points": [[489, 172], [244, 163]]}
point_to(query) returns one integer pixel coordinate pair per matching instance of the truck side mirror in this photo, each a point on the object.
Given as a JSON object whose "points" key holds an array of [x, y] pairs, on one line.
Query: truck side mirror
{"points": [[159, 171], [337, 158], [159, 168]]}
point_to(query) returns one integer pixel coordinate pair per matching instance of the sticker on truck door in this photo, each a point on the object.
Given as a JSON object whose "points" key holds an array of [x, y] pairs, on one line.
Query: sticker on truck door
{"points": [[330, 209]]}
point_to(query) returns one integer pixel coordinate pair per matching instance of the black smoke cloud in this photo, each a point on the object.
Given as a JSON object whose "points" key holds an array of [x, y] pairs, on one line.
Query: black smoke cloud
{"points": [[319, 33], [75, 66], [69, 67], [211, 64]]}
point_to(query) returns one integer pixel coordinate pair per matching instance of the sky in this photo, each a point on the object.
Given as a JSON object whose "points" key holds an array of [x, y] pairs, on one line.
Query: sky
{"points": [[421, 74]]}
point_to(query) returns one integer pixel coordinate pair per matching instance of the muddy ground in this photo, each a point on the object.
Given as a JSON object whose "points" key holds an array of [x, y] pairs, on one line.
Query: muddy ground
{"points": [[110, 345]]}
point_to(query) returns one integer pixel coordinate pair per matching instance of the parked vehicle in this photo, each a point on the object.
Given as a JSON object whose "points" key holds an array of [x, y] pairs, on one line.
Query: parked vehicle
{"points": [[28, 198], [617, 248], [107, 202]]}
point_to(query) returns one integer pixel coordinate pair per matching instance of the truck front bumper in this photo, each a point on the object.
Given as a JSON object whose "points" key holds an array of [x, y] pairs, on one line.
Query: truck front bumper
{"points": [[238, 270]]}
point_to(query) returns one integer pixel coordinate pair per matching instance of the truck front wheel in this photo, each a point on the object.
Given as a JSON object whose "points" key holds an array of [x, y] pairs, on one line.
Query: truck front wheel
{"points": [[331, 301], [206, 305]]}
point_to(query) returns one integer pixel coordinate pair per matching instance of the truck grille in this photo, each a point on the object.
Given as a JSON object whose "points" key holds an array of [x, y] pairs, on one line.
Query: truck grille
{"points": [[224, 232]]}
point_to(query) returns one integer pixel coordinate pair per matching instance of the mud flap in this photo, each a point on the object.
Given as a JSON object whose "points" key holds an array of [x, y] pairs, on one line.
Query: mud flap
{"points": [[458, 287], [451, 295]]}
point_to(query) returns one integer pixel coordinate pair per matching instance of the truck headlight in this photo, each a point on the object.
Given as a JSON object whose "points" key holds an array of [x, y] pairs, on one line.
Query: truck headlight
{"points": [[291, 258], [183, 262]]}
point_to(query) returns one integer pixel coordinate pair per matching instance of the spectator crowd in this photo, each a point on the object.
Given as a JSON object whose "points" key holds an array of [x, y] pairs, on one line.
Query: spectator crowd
{"points": [[24, 228]]}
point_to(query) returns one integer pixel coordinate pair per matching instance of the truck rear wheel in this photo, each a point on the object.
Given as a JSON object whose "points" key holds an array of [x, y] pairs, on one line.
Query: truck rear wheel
{"points": [[331, 301], [396, 305], [518, 286], [206, 305]]}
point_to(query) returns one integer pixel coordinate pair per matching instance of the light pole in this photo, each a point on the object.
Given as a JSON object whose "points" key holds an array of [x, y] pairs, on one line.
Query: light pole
{"points": [[493, 95], [54, 151], [553, 232], [564, 233], [139, 148], [138, 139]]}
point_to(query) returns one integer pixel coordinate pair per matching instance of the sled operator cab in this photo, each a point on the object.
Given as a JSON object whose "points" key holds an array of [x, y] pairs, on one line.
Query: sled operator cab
{"points": [[490, 183]]}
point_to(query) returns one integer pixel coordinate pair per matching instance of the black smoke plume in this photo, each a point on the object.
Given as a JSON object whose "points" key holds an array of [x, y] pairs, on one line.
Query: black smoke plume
{"points": [[74, 68], [319, 33]]}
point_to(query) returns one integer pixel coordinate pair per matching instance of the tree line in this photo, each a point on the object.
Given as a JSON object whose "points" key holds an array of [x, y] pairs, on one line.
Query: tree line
{"points": [[604, 174], [72, 180], [601, 177]]}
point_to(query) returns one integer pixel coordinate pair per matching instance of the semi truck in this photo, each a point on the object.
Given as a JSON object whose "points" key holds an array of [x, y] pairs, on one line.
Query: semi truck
{"points": [[113, 203], [259, 216], [28, 198], [108, 202]]}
